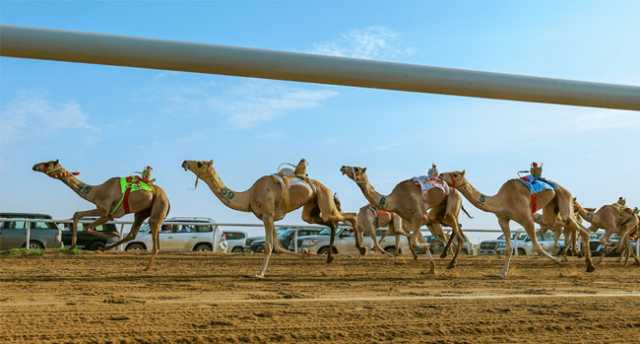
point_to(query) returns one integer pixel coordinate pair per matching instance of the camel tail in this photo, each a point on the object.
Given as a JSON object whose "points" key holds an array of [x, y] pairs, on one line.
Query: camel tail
{"points": [[466, 212]]}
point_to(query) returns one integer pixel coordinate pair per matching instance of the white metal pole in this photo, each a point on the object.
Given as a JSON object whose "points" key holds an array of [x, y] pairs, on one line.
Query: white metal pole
{"points": [[27, 244], [295, 240], [121, 232], [259, 63], [215, 239]]}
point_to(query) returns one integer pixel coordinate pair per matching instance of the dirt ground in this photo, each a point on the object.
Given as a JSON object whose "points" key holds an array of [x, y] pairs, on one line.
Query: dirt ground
{"points": [[106, 297]]}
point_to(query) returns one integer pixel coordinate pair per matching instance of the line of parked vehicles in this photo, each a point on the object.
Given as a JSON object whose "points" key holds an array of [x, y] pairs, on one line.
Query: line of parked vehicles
{"points": [[201, 234]]}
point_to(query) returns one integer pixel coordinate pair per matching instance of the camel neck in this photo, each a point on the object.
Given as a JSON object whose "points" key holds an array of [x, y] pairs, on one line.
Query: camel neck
{"points": [[375, 199], [478, 199], [232, 199], [83, 190], [587, 215]]}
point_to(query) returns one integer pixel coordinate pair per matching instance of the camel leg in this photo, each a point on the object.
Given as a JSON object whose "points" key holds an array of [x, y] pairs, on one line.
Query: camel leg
{"points": [[90, 227], [77, 216], [584, 234], [154, 224], [367, 224], [508, 250], [269, 230], [416, 239], [436, 229], [135, 227], [332, 240], [531, 231], [460, 236]]}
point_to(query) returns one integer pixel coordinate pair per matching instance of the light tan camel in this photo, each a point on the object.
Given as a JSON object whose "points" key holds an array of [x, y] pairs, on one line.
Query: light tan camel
{"points": [[111, 202], [271, 197], [613, 218], [513, 203], [407, 200]]}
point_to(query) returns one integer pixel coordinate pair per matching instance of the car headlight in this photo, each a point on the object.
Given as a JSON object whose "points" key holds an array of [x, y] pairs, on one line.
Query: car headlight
{"points": [[308, 242]]}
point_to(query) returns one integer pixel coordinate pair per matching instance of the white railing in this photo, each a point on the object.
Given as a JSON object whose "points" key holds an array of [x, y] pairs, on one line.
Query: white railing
{"points": [[217, 227]]}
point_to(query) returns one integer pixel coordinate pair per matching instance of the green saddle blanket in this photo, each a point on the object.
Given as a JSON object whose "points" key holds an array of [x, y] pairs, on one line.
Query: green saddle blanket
{"points": [[128, 185]]}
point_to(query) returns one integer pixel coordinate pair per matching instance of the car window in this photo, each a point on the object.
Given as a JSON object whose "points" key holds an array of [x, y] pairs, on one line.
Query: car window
{"points": [[234, 235], [16, 225], [201, 228], [43, 225]]}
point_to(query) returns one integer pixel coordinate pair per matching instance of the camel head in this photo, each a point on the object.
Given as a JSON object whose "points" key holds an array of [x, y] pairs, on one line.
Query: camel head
{"points": [[201, 168], [53, 169], [454, 178], [357, 174]]}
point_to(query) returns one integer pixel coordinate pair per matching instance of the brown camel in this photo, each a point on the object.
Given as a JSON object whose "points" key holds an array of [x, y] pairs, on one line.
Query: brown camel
{"points": [[513, 203], [271, 197], [558, 229], [112, 200], [408, 201], [613, 218]]}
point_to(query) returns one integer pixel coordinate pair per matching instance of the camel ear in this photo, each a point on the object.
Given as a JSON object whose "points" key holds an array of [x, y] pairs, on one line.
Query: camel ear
{"points": [[364, 170], [210, 162], [463, 172], [57, 162]]}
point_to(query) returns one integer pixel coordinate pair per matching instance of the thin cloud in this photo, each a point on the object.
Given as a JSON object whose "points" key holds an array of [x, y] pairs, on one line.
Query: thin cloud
{"points": [[372, 42], [246, 105], [29, 115]]}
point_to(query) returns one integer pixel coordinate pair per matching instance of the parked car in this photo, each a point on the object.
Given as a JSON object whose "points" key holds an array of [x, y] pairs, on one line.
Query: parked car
{"points": [[13, 232], [522, 244], [197, 234], [437, 246], [498, 246], [249, 242], [597, 248], [235, 239], [91, 241], [286, 236], [345, 242]]}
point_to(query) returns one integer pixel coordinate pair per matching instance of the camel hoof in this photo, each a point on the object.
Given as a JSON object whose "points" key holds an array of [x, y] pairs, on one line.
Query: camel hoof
{"points": [[443, 255], [329, 259], [363, 251], [591, 268], [451, 266], [259, 276]]}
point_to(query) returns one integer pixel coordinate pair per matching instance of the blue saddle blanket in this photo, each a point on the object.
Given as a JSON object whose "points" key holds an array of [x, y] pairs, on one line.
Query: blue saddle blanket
{"points": [[536, 185]]}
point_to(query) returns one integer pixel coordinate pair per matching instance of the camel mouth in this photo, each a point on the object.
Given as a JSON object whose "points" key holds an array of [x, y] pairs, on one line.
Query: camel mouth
{"points": [[34, 168], [184, 165]]}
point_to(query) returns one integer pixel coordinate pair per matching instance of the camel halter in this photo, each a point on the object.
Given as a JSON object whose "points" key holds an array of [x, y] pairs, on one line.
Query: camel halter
{"points": [[59, 172]]}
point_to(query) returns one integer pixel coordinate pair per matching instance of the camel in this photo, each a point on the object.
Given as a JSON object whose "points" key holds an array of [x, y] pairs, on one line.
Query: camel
{"points": [[513, 202], [408, 201], [115, 198], [370, 218], [272, 197], [558, 229], [613, 218]]}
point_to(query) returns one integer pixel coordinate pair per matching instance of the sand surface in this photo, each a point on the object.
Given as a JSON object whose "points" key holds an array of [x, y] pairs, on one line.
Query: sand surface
{"points": [[107, 298]]}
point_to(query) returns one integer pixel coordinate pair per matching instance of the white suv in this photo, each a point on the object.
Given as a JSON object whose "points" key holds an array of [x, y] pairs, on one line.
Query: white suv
{"points": [[182, 234]]}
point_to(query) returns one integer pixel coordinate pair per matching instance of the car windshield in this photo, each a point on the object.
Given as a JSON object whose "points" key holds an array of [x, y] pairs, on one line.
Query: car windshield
{"points": [[327, 231], [285, 233]]}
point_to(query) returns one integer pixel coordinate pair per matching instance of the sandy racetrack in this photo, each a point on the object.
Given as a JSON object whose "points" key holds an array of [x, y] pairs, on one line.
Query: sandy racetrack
{"points": [[106, 297]]}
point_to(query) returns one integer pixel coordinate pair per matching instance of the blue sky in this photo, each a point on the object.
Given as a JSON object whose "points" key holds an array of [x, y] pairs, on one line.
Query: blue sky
{"points": [[109, 121]]}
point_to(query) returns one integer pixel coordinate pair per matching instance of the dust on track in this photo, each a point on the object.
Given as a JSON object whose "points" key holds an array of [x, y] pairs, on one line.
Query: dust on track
{"points": [[106, 297]]}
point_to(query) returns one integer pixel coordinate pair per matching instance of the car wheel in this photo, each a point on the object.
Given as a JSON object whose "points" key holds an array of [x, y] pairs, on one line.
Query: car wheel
{"points": [[96, 245], [392, 250], [36, 245], [203, 248], [135, 247], [522, 252], [237, 249], [325, 250], [259, 249]]}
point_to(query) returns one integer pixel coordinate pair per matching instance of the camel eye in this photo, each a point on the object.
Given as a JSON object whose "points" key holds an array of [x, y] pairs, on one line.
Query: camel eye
{"points": [[199, 164]]}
